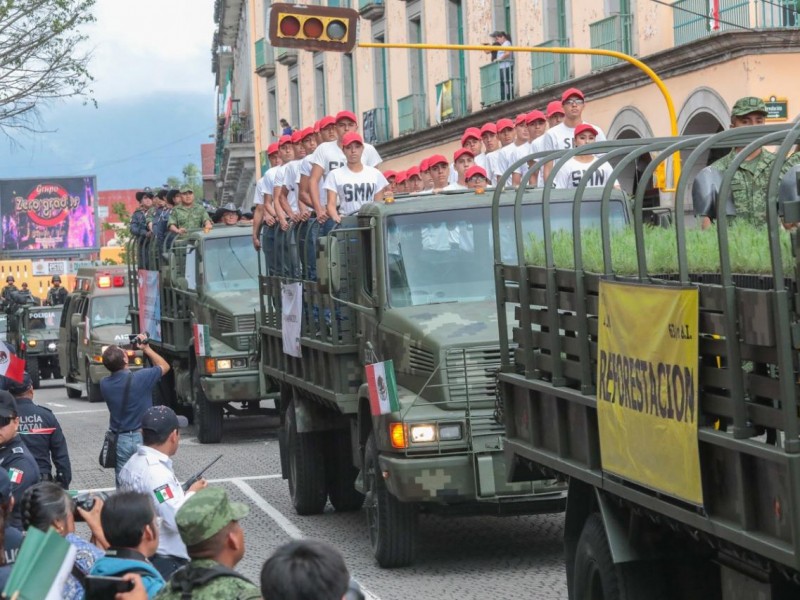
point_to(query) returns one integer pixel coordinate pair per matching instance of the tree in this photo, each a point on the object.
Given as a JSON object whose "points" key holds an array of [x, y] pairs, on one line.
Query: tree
{"points": [[41, 59], [191, 179]]}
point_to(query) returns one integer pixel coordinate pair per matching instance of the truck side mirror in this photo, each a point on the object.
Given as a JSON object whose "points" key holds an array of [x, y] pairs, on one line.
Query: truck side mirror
{"points": [[75, 320]]}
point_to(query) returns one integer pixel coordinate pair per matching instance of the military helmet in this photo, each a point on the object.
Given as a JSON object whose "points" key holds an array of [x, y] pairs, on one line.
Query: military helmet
{"points": [[10, 279], [56, 279]]}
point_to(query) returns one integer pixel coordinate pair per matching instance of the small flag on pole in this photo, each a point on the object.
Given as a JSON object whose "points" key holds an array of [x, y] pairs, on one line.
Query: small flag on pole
{"points": [[383, 397], [10, 365], [202, 340]]}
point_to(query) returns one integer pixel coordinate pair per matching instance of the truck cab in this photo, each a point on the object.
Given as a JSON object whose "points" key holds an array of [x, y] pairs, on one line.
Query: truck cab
{"points": [[95, 315]]}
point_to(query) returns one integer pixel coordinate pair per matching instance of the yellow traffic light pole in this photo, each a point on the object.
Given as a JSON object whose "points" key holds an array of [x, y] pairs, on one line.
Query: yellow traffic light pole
{"points": [[673, 119]]}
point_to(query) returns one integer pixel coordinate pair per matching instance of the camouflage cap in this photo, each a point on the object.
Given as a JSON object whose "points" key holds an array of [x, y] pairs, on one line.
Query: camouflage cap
{"points": [[205, 513], [748, 104]]}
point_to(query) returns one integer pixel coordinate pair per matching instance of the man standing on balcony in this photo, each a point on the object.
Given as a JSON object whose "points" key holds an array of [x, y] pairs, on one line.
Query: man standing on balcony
{"points": [[505, 60]]}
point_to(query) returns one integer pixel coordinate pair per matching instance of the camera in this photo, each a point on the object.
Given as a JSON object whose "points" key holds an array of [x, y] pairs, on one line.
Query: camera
{"points": [[135, 342], [86, 502]]}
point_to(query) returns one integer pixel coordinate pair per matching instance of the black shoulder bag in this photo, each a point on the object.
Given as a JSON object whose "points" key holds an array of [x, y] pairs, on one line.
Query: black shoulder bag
{"points": [[108, 452]]}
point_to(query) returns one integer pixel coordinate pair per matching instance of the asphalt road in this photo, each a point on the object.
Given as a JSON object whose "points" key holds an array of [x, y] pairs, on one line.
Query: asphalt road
{"points": [[464, 558]]}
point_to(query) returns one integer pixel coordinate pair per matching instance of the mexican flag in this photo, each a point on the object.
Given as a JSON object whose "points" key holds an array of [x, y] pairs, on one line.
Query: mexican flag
{"points": [[10, 365], [15, 475], [383, 397], [163, 493], [202, 340]]}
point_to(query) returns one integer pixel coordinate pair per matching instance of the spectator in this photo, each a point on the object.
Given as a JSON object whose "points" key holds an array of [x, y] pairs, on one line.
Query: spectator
{"points": [[14, 454], [46, 505], [505, 60], [209, 526], [132, 392], [42, 434], [305, 570], [286, 129], [56, 295], [149, 471], [130, 525], [228, 214]]}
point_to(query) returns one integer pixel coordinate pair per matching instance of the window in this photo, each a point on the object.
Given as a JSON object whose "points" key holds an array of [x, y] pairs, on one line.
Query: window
{"points": [[457, 58], [320, 97], [272, 100], [348, 82], [294, 96]]}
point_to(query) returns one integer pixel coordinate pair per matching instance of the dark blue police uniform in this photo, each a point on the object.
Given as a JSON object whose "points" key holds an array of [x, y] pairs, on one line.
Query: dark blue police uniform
{"points": [[23, 472]]}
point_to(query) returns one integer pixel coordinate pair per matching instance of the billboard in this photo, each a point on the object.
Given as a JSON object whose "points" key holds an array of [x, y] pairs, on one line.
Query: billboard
{"points": [[55, 214]]}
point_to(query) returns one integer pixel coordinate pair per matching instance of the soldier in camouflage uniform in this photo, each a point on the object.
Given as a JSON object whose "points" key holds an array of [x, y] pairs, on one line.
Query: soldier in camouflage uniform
{"points": [[188, 215], [56, 295], [209, 526]]}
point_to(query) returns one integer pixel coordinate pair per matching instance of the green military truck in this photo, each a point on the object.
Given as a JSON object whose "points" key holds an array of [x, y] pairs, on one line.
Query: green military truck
{"points": [[33, 331], [657, 371], [94, 316], [410, 282], [197, 299]]}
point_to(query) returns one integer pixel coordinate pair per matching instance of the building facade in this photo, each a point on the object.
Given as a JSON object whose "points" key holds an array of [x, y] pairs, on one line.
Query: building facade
{"points": [[413, 103]]}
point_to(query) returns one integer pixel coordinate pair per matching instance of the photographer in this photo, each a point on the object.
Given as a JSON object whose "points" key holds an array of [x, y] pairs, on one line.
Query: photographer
{"points": [[136, 388]]}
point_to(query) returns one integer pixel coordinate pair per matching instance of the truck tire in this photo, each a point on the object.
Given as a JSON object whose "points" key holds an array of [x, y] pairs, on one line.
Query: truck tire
{"points": [[92, 389], [341, 474], [32, 366], [207, 415], [306, 467], [71, 392], [596, 577], [392, 524]]}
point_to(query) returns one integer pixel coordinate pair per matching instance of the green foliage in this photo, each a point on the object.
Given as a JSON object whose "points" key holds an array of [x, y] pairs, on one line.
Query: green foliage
{"points": [[191, 178], [748, 248], [123, 232]]}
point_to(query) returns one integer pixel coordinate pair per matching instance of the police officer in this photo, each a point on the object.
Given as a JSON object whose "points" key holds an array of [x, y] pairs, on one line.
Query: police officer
{"points": [[56, 295], [15, 456], [42, 434], [209, 526], [150, 471]]}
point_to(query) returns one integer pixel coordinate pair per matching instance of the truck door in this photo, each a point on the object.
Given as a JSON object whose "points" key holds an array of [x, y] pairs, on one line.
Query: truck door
{"points": [[81, 339]]}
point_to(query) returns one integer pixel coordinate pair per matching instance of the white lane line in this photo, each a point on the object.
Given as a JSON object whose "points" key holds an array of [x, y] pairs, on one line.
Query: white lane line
{"points": [[57, 404], [80, 412], [282, 521], [222, 480]]}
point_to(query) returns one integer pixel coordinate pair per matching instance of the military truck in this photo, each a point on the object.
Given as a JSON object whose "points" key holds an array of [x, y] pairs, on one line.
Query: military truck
{"points": [[197, 298], [33, 332], [665, 395], [95, 315], [411, 282]]}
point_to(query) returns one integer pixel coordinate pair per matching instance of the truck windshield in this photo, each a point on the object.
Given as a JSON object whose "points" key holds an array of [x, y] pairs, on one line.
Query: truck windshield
{"points": [[43, 318], [447, 256], [230, 264], [110, 310]]}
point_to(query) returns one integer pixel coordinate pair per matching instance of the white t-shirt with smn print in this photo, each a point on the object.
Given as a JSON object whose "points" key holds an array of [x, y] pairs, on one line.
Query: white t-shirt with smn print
{"points": [[569, 176], [353, 190]]}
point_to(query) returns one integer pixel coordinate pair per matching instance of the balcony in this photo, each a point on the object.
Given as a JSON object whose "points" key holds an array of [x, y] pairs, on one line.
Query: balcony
{"points": [[611, 33], [375, 125], [411, 114], [491, 85], [449, 103], [265, 58], [777, 14], [286, 56], [371, 9], [236, 162], [549, 69], [692, 19]]}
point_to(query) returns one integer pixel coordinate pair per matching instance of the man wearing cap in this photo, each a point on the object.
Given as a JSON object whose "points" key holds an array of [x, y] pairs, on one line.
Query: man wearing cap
{"points": [[439, 168], [425, 174], [353, 185], [138, 223], [150, 471], [209, 526], [572, 172], [476, 178], [228, 214], [562, 136], [490, 147], [56, 295], [536, 122], [748, 199], [15, 457], [289, 208], [42, 434], [506, 155], [463, 159], [310, 143], [188, 215], [555, 113], [264, 212]]}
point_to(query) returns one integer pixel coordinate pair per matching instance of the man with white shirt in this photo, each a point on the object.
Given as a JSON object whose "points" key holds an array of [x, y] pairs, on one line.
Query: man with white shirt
{"points": [[263, 211], [562, 136], [491, 145], [463, 159], [355, 184], [537, 126], [555, 113]]}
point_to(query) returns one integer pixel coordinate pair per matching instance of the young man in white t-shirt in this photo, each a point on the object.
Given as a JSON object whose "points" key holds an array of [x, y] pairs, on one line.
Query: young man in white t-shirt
{"points": [[570, 175], [562, 136], [463, 159], [351, 186], [289, 209], [263, 211], [491, 145], [476, 178], [506, 134], [425, 174], [537, 126], [309, 140], [555, 113], [286, 152]]}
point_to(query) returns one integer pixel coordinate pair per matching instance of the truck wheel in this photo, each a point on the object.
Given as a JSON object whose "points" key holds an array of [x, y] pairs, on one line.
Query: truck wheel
{"points": [[341, 473], [71, 392], [596, 577], [392, 524], [207, 415], [306, 467], [92, 389], [32, 366]]}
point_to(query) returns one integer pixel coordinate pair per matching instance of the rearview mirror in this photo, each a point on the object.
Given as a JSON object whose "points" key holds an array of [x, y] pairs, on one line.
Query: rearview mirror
{"points": [[75, 320]]}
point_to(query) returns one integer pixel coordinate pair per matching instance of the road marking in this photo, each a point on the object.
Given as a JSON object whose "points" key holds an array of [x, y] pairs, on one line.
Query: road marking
{"points": [[80, 412], [222, 480], [281, 520], [57, 404]]}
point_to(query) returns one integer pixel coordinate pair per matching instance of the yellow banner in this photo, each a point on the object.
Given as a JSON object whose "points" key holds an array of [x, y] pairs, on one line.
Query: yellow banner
{"points": [[647, 405]]}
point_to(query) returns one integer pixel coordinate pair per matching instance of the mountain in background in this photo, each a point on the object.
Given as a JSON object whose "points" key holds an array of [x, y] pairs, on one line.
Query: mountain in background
{"points": [[126, 143]]}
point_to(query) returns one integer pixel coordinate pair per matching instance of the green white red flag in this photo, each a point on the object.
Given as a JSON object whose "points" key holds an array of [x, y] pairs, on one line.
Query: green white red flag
{"points": [[382, 384], [11, 366], [202, 340]]}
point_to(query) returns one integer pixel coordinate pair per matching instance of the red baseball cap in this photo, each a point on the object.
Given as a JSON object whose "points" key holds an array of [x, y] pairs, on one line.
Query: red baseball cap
{"points": [[306, 132], [461, 152], [521, 119], [505, 124], [272, 148], [412, 172], [297, 137], [489, 128], [326, 122], [316, 127], [585, 127], [388, 174], [437, 159], [285, 139], [352, 138], [571, 92], [535, 115], [471, 132], [346, 114], [554, 108], [424, 165], [401, 177], [475, 170]]}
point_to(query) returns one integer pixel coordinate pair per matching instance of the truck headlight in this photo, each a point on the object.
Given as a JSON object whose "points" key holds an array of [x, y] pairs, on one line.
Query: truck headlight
{"points": [[223, 364], [421, 434], [51, 347], [449, 432], [32, 343]]}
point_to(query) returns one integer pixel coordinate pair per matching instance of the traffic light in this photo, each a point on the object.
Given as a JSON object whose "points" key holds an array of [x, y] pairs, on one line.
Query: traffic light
{"points": [[313, 27]]}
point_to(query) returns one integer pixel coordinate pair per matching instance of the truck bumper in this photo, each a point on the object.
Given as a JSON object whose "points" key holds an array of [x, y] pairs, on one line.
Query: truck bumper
{"points": [[452, 480], [236, 387]]}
